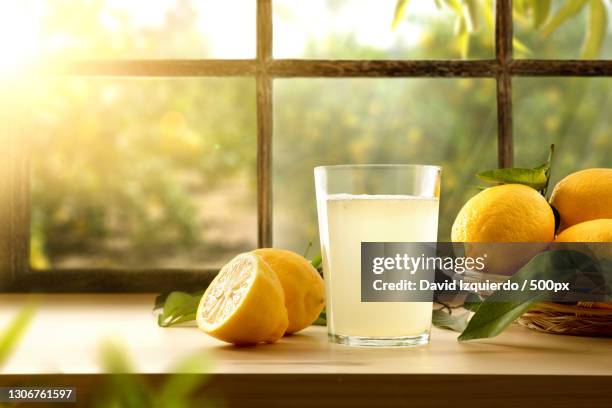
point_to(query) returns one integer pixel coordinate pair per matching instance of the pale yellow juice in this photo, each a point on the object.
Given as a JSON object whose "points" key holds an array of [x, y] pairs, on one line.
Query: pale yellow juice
{"points": [[353, 219]]}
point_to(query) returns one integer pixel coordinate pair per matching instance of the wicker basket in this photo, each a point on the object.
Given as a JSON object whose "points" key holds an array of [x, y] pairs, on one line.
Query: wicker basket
{"points": [[581, 319]]}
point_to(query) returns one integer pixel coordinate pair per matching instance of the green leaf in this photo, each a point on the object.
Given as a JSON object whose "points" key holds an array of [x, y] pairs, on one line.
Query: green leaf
{"points": [[569, 9], [472, 302], [495, 313], [445, 320], [14, 331], [400, 10], [322, 319], [596, 30], [316, 261], [537, 177], [178, 308]]}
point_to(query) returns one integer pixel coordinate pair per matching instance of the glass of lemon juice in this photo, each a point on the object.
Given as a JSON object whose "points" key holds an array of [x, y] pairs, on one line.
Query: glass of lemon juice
{"points": [[373, 203]]}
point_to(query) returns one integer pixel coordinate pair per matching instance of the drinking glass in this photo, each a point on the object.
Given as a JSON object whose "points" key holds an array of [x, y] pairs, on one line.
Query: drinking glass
{"points": [[373, 203]]}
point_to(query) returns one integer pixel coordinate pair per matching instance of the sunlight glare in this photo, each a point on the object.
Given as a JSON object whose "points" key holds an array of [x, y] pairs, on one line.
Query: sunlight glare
{"points": [[19, 31]]}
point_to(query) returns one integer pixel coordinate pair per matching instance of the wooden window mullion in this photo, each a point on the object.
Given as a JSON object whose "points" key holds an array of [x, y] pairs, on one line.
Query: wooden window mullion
{"points": [[503, 53], [264, 123]]}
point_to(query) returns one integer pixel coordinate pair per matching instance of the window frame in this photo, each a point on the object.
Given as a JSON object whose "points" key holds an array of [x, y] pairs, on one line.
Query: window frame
{"points": [[16, 275]]}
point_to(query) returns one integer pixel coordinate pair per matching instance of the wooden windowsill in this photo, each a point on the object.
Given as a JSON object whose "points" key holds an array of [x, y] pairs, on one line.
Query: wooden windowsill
{"points": [[515, 367], [66, 334]]}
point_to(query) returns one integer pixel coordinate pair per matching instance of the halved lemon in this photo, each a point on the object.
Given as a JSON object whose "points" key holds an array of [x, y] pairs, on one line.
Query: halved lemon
{"points": [[244, 304]]}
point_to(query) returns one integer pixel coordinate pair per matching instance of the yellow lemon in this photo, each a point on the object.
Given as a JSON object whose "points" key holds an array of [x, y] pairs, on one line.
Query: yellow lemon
{"points": [[589, 231], [506, 213], [583, 196], [302, 284], [597, 233], [509, 213], [244, 304]]}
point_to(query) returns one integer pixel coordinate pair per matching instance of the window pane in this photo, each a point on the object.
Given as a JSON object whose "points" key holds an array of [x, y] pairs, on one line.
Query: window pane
{"points": [[72, 29], [572, 113], [143, 173], [362, 29], [448, 122], [568, 30]]}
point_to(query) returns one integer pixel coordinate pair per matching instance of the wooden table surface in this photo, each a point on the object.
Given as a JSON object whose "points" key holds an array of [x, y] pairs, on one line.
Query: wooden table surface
{"points": [[67, 332]]}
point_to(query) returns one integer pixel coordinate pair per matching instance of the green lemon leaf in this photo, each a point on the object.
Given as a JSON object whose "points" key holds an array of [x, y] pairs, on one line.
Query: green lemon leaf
{"points": [[596, 30], [454, 322], [472, 302], [178, 308], [569, 9], [322, 319], [317, 261], [535, 178], [495, 313]]}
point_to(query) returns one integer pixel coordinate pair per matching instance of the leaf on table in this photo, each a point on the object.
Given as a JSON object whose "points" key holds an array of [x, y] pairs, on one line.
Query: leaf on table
{"points": [[322, 319], [569, 9], [495, 313], [596, 30], [177, 308], [454, 322], [472, 302]]}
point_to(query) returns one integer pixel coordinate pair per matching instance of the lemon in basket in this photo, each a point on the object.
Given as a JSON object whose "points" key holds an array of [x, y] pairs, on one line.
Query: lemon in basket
{"points": [[597, 234], [583, 196], [509, 213], [244, 304]]}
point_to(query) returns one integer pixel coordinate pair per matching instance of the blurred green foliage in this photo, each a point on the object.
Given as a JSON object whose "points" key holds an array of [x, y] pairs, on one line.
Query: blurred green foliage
{"points": [[13, 332], [536, 20], [134, 172], [124, 388]]}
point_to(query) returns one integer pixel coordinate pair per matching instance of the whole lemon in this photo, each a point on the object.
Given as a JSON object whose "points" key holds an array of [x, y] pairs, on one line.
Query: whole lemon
{"points": [[588, 231], [244, 304], [506, 213], [583, 196], [302, 284], [597, 234], [510, 214]]}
